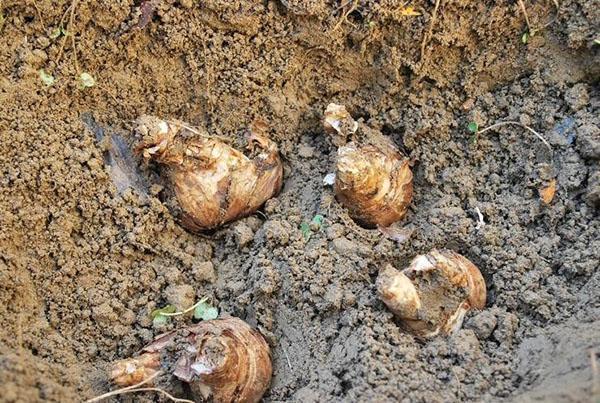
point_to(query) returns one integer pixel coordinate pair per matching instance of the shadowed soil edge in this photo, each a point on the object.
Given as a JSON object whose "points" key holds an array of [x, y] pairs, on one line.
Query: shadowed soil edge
{"points": [[85, 258]]}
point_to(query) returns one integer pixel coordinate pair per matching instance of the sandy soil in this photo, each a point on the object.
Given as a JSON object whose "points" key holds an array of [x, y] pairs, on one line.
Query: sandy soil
{"points": [[85, 259]]}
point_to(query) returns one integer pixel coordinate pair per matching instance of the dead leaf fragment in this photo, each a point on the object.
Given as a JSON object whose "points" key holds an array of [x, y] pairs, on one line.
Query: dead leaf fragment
{"points": [[408, 12], [400, 235], [547, 192]]}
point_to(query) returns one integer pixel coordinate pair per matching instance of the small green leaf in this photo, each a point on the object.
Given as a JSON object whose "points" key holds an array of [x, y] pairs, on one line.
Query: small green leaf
{"points": [[316, 223], [473, 127], [47, 79], [55, 33], [306, 233], [86, 80], [318, 219], [525, 38], [160, 320], [205, 311], [211, 313], [159, 312]]}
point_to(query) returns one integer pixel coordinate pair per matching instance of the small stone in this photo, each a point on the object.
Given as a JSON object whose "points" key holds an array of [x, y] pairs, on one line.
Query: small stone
{"points": [[577, 97], [343, 246], [508, 324], [272, 205], [335, 231], [276, 231], [593, 190], [181, 296], [155, 189], [243, 234], [43, 42], [186, 3], [172, 275], [483, 324], [104, 314], [128, 317], [333, 297], [204, 271], [349, 298], [305, 151], [588, 141]]}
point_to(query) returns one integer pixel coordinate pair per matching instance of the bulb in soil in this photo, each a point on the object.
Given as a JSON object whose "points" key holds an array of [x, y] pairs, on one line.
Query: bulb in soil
{"points": [[433, 294], [223, 360], [213, 182], [373, 179]]}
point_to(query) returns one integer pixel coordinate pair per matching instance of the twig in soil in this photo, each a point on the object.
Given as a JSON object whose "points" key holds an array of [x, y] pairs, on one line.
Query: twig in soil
{"points": [[428, 35], [20, 334], [64, 40], [73, 37], [37, 10], [595, 379], [480, 222], [183, 126], [71, 33], [533, 31], [147, 9], [287, 357], [344, 18], [524, 11], [510, 122], [136, 388]]}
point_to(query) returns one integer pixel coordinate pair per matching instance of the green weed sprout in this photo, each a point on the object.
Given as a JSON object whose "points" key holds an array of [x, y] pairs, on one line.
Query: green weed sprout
{"points": [[205, 311], [202, 310], [308, 228], [473, 127], [47, 78], [86, 81]]}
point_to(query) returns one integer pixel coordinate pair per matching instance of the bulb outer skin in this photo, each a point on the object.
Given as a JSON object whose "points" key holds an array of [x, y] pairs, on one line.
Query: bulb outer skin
{"points": [[223, 361], [232, 362], [373, 179], [374, 182], [213, 182], [432, 295]]}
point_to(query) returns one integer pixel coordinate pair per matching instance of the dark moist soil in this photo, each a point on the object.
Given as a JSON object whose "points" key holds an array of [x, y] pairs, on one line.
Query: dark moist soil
{"points": [[83, 261]]}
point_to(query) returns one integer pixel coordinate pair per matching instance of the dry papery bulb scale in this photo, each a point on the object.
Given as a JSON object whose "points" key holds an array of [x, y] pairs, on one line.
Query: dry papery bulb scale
{"points": [[432, 295], [222, 360], [373, 179], [212, 181]]}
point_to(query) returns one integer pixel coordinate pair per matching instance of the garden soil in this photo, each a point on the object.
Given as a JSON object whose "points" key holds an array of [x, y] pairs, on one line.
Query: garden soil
{"points": [[89, 247]]}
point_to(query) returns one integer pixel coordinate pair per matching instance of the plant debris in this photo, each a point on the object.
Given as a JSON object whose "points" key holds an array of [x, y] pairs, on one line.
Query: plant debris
{"points": [[547, 192]]}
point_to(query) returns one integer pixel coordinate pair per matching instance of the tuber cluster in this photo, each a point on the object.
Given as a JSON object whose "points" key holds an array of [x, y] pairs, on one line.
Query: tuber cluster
{"points": [[225, 360]]}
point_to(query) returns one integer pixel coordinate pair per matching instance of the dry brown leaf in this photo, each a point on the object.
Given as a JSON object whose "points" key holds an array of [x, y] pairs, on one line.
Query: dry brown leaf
{"points": [[408, 12], [547, 192]]}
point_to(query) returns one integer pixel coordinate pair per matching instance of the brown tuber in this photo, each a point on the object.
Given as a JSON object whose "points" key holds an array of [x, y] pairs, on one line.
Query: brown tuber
{"points": [[373, 179], [433, 294], [213, 182], [223, 360]]}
